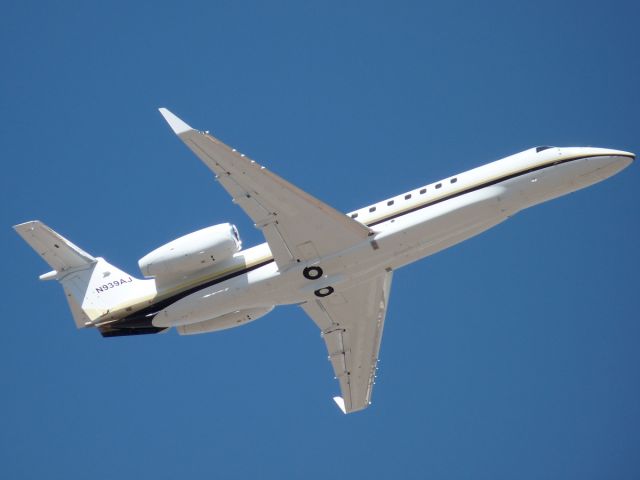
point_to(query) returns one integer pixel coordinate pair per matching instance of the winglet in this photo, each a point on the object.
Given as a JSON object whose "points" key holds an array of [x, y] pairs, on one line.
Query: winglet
{"points": [[340, 402], [177, 125]]}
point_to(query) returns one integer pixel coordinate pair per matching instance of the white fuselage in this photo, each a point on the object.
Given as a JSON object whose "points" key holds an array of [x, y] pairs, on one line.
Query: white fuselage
{"points": [[406, 228]]}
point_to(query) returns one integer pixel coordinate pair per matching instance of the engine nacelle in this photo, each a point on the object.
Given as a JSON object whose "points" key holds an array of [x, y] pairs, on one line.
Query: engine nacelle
{"points": [[230, 320], [192, 252]]}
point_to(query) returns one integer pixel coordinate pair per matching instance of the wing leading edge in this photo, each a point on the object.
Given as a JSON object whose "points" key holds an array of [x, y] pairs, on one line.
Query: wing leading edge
{"points": [[351, 323], [296, 225]]}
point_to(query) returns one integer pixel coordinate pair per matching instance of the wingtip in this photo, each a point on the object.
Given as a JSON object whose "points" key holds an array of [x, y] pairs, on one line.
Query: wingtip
{"points": [[177, 125], [23, 225], [340, 402]]}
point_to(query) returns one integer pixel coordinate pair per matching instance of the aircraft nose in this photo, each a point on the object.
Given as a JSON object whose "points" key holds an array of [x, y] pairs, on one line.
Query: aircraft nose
{"points": [[619, 158], [623, 159], [609, 162], [621, 153]]}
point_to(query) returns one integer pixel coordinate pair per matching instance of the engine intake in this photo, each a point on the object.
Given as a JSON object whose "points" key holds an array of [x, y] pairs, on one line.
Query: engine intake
{"points": [[193, 252]]}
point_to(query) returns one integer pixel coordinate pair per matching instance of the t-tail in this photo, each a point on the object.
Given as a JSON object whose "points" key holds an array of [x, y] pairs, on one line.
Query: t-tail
{"points": [[97, 292]]}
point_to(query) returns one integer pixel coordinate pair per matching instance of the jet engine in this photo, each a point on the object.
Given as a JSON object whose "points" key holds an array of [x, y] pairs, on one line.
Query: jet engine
{"points": [[230, 320], [193, 252]]}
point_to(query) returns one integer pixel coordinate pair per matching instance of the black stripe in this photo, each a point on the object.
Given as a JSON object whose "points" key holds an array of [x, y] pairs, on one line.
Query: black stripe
{"points": [[484, 185], [109, 331]]}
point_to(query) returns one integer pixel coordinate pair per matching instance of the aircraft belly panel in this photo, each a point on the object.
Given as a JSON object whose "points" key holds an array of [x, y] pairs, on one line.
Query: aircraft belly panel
{"points": [[441, 224], [539, 187], [240, 293]]}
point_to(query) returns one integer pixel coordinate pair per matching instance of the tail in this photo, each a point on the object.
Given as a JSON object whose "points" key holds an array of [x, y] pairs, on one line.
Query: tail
{"points": [[96, 291]]}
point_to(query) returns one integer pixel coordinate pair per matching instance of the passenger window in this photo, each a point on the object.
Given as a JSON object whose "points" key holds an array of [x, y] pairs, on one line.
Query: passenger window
{"points": [[372, 209], [423, 191], [407, 196], [390, 202], [438, 185], [454, 180]]}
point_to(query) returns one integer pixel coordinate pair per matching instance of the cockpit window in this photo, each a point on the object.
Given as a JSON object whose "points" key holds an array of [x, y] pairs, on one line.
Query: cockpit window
{"points": [[544, 147]]}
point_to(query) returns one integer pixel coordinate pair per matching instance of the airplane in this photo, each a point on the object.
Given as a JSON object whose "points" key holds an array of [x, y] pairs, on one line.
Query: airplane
{"points": [[337, 267]]}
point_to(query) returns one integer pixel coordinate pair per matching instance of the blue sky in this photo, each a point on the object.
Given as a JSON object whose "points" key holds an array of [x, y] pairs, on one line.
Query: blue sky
{"points": [[512, 355]]}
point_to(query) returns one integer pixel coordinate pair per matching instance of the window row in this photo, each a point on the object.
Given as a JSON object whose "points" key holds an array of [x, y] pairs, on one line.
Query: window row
{"points": [[406, 197]]}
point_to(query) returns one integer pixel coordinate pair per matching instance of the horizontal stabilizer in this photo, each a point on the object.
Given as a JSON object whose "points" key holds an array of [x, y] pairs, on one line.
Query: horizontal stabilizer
{"points": [[56, 250]]}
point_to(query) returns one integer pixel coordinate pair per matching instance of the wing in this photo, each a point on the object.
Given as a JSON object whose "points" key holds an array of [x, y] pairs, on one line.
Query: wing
{"points": [[351, 323], [297, 226]]}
